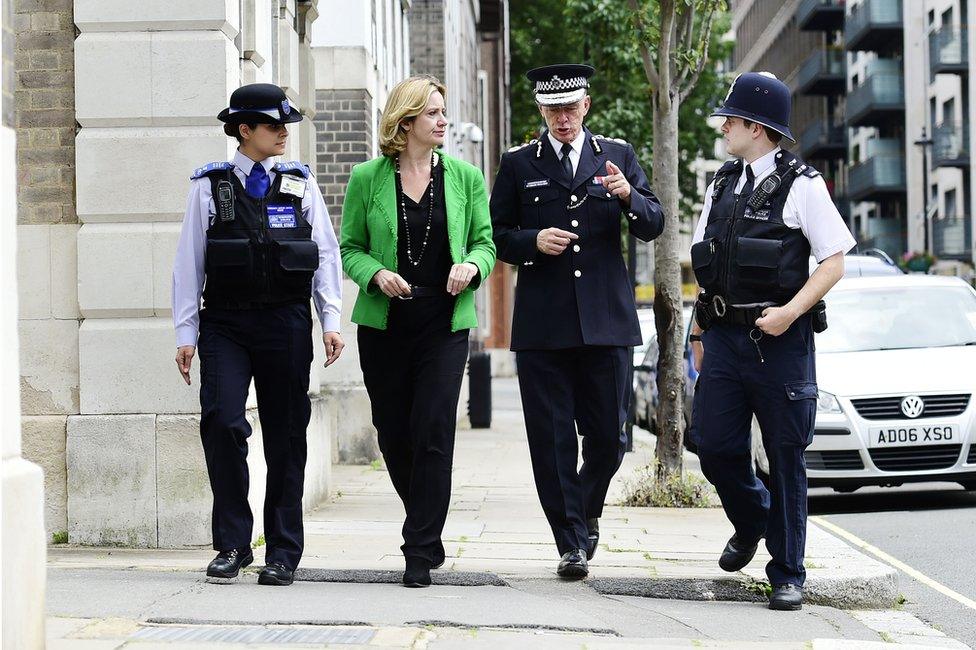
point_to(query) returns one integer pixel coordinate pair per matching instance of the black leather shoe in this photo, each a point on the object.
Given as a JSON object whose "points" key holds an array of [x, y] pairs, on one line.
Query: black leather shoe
{"points": [[276, 574], [228, 564], [573, 565], [786, 597], [417, 573], [593, 537], [737, 554], [438, 562]]}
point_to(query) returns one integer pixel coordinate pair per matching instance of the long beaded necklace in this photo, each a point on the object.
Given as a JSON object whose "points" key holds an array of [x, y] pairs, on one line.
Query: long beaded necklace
{"points": [[403, 211]]}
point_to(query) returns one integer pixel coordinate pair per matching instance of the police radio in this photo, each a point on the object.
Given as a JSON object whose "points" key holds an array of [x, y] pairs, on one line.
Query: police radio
{"points": [[225, 201], [766, 189]]}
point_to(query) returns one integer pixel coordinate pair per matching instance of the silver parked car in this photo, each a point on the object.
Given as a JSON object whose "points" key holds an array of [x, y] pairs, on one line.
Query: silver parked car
{"points": [[896, 371]]}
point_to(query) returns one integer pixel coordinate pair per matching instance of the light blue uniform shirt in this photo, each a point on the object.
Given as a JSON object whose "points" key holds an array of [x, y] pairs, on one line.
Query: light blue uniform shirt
{"points": [[188, 269]]}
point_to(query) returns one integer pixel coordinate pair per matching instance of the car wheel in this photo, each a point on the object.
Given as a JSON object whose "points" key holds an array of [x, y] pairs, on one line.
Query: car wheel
{"points": [[968, 485]]}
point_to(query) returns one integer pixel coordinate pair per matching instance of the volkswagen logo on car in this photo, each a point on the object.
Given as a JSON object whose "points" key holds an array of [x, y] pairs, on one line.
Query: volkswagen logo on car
{"points": [[912, 406]]}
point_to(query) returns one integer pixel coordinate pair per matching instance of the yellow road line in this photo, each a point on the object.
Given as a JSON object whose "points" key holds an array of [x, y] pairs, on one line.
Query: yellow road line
{"points": [[893, 561]]}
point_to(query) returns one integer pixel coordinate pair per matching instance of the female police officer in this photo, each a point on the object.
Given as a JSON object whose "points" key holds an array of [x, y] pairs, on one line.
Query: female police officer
{"points": [[764, 214], [256, 243], [416, 238]]}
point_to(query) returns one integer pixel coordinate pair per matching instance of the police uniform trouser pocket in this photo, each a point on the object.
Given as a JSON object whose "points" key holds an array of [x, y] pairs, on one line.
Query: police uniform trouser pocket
{"points": [[705, 261], [758, 261], [802, 404]]}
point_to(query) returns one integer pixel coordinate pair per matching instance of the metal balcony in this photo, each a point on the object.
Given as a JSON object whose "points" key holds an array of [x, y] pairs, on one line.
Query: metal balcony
{"points": [[874, 26], [823, 141], [820, 15], [948, 50], [878, 178], [950, 145], [877, 101], [952, 237], [823, 73]]}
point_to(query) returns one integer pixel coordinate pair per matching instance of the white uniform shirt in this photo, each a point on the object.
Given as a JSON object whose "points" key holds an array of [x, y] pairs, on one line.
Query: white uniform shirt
{"points": [[577, 144], [808, 207], [188, 269]]}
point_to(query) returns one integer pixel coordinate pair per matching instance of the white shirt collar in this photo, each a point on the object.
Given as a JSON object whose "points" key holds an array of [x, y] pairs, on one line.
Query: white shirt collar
{"points": [[760, 166], [245, 164], [576, 144]]}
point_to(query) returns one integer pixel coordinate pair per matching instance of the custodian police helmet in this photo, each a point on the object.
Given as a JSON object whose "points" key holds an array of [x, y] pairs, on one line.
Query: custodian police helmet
{"points": [[759, 97], [260, 103]]}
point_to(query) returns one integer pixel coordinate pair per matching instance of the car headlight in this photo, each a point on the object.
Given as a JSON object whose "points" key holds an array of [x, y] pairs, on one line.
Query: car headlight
{"points": [[827, 403]]}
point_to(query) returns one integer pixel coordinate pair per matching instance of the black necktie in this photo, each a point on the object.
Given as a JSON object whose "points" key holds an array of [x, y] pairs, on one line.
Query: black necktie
{"points": [[750, 182], [567, 163]]}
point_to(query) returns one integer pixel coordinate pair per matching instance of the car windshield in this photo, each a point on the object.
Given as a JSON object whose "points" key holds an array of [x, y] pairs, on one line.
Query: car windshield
{"points": [[897, 318]]}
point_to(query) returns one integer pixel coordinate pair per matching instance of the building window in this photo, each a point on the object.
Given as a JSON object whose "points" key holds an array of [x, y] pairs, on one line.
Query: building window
{"points": [[950, 204], [949, 111], [947, 18]]}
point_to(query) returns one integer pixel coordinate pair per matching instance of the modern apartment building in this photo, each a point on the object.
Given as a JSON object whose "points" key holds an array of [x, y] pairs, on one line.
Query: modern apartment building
{"points": [[881, 106]]}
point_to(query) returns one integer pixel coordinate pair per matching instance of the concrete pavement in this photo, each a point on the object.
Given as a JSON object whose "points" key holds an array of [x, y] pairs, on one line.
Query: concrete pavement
{"points": [[654, 579]]}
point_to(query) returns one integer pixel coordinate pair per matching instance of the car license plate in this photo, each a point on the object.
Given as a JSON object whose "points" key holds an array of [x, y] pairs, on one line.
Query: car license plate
{"points": [[915, 434]]}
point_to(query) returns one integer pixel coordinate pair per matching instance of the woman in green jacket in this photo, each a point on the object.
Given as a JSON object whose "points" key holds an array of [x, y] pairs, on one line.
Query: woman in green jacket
{"points": [[416, 238]]}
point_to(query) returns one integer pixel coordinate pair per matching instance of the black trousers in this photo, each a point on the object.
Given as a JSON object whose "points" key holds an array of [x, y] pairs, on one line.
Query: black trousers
{"points": [[582, 389], [413, 371], [274, 346], [781, 391]]}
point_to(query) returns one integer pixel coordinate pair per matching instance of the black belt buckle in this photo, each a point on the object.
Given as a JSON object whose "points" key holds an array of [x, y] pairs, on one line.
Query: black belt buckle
{"points": [[719, 306]]}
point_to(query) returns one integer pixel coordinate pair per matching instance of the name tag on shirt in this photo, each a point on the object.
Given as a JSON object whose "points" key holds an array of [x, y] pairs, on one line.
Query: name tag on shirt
{"points": [[281, 216], [539, 183], [292, 185]]}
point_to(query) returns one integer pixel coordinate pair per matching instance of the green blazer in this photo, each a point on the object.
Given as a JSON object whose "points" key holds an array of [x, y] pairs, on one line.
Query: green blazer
{"points": [[368, 235]]}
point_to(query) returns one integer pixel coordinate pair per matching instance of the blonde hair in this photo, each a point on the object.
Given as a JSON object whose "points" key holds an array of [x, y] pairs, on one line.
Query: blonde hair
{"points": [[407, 100]]}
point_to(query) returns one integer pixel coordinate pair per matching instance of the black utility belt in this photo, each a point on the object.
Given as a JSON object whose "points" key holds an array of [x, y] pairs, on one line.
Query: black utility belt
{"points": [[714, 309], [425, 292], [237, 305]]}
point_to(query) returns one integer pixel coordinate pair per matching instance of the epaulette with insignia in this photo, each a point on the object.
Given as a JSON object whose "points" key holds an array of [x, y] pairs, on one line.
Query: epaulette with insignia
{"points": [[222, 165], [808, 171], [790, 160], [523, 145], [617, 140], [293, 167]]}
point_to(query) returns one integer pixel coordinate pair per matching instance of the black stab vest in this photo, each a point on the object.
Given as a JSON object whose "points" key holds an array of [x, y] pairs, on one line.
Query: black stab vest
{"points": [[750, 255], [252, 262]]}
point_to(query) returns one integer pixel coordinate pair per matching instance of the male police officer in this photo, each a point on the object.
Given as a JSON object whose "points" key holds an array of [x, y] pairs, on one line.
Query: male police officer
{"points": [[556, 209], [257, 244], [764, 214]]}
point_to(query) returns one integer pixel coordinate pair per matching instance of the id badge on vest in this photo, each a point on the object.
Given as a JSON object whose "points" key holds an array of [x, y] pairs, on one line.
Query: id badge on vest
{"points": [[281, 216]]}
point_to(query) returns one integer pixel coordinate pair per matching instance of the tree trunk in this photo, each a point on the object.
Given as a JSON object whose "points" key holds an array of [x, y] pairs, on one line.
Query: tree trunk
{"points": [[667, 292]]}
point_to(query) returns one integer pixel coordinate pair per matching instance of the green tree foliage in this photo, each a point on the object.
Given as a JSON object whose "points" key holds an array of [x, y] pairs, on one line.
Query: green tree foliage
{"points": [[601, 33]]}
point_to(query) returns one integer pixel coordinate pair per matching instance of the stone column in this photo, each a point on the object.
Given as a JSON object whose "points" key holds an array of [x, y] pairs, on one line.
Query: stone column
{"points": [[47, 231], [23, 483]]}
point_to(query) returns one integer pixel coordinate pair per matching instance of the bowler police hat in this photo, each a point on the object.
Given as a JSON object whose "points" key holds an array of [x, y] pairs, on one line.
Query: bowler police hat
{"points": [[759, 97], [259, 103]]}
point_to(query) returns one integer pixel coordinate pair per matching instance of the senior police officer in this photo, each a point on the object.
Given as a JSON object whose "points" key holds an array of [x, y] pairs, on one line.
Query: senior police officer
{"points": [[765, 213], [256, 244], [556, 210]]}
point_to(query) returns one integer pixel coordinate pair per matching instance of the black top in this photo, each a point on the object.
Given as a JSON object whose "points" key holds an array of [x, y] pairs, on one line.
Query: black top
{"points": [[435, 264]]}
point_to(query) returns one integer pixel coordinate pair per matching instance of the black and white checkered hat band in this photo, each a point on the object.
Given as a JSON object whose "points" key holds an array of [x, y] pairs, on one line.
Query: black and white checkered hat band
{"points": [[557, 85]]}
